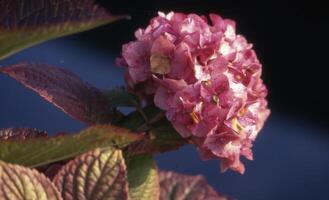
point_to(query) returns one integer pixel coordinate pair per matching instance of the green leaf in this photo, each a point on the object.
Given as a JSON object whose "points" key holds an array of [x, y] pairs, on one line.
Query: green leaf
{"points": [[40, 151], [26, 23], [96, 175], [160, 135], [164, 137], [143, 178], [176, 186], [20, 183], [119, 97], [64, 90], [137, 122]]}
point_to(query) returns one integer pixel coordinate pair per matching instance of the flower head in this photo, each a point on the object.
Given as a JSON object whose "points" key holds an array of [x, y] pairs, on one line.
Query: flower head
{"points": [[207, 80]]}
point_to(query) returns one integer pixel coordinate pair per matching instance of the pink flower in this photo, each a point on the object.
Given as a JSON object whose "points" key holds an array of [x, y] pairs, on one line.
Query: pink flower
{"points": [[207, 80]]}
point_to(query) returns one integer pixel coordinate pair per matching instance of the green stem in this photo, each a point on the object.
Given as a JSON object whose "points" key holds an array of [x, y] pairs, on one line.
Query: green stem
{"points": [[151, 122], [140, 110]]}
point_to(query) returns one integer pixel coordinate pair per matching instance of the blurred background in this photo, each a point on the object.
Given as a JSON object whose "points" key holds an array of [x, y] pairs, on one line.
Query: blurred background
{"points": [[291, 41]]}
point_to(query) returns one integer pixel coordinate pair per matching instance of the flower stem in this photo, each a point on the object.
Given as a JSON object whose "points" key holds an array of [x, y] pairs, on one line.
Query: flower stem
{"points": [[148, 124]]}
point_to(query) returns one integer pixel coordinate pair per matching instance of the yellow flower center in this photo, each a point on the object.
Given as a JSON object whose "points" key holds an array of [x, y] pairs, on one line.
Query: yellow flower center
{"points": [[207, 83], [236, 126], [242, 112], [195, 117], [215, 99]]}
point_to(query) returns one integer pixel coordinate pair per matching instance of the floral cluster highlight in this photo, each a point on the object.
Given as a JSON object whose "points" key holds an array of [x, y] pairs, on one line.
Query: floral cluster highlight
{"points": [[205, 77]]}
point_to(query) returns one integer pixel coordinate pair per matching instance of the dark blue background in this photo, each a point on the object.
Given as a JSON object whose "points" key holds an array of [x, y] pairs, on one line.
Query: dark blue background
{"points": [[291, 153]]}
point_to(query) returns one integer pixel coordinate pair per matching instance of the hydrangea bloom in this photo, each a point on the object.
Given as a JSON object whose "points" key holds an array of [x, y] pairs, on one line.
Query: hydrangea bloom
{"points": [[207, 80]]}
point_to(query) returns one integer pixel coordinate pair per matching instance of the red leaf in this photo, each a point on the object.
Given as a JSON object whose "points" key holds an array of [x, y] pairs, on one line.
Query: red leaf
{"points": [[24, 23], [176, 186], [63, 89], [20, 133], [52, 169], [35, 13]]}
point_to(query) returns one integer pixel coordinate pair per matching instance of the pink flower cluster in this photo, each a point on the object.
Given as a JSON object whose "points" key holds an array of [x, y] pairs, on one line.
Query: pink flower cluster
{"points": [[207, 80]]}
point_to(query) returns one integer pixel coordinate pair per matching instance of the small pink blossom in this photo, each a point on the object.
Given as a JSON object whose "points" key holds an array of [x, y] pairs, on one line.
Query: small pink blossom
{"points": [[205, 77]]}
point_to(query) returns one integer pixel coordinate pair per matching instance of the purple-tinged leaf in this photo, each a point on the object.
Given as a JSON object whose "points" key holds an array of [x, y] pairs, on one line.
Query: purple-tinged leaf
{"points": [[24, 23], [17, 182], [50, 170], [63, 89], [176, 186], [20, 133], [96, 175]]}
